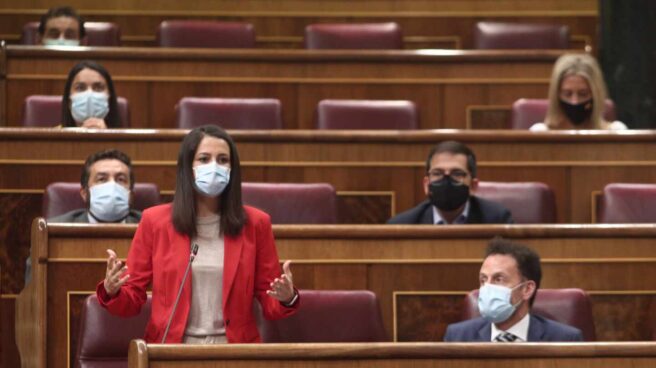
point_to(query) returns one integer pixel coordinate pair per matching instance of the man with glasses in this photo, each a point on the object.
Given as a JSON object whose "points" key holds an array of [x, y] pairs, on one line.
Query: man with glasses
{"points": [[449, 183]]}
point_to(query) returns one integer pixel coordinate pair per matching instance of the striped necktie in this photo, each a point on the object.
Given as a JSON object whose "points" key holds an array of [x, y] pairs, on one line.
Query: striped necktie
{"points": [[505, 337]]}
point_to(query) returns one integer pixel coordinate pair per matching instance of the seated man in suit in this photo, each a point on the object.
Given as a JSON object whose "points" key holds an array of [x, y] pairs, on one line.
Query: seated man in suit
{"points": [[61, 26], [509, 279], [449, 182], [107, 181]]}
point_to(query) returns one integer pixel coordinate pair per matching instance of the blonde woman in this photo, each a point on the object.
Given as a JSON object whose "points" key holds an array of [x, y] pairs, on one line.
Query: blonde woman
{"points": [[577, 94]]}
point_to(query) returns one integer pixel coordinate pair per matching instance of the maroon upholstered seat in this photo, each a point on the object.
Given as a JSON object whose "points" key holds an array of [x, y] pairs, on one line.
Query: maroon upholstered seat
{"points": [[529, 203], [354, 36], [569, 306], [46, 111], [528, 111], [499, 35], [97, 34], [627, 203], [328, 316], [229, 113], [207, 34], [293, 203], [367, 114], [61, 197], [104, 338]]}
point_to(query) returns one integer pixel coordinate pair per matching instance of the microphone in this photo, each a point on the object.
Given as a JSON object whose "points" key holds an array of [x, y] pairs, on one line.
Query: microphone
{"points": [[194, 251]]}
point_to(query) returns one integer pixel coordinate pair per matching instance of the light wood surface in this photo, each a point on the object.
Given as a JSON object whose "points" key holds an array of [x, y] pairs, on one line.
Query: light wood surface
{"points": [[144, 355]]}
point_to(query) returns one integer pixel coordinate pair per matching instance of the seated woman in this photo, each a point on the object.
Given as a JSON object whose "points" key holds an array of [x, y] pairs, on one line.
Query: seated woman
{"points": [[577, 94], [89, 98]]}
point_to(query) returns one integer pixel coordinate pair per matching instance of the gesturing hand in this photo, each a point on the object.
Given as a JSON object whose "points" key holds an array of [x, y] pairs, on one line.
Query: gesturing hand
{"points": [[282, 288], [116, 274]]}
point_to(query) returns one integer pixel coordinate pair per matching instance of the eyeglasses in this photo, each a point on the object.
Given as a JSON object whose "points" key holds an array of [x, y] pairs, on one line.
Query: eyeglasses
{"points": [[457, 175]]}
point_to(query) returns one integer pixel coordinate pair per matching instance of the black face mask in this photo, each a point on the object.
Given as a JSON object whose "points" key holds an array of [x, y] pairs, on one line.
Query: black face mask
{"points": [[447, 194], [578, 113]]}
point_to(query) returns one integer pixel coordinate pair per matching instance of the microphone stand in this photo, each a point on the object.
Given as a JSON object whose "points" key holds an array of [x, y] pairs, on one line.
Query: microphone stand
{"points": [[194, 251]]}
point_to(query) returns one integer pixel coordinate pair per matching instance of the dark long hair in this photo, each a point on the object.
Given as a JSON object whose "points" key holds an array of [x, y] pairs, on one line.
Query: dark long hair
{"points": [[113, 118], [230, 208]]}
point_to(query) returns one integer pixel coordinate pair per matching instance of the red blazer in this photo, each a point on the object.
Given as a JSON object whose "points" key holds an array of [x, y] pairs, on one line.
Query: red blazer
{"points": [[159, 255]]}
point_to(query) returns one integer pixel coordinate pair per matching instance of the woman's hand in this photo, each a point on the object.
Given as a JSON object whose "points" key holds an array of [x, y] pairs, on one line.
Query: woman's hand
{"points": [[116, 274], [94, 123], [282, 288]]}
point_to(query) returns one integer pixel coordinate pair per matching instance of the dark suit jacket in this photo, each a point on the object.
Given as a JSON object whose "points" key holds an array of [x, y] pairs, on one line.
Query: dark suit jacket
{"points": [[539, 329], [481, 211], [80, 216]]}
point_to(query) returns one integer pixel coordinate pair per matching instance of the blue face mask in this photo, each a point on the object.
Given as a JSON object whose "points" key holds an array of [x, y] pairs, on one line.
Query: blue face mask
{"points": [[60, 42], [89, 104], [109, 202], [211, 179], [494, 302]]}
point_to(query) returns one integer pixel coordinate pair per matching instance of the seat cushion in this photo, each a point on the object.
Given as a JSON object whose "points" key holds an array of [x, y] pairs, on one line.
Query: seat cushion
{"points": [[354, 36], [328, 316], [367, 114], [208, 34], [289, 203], [229, 113], [500, 35]]}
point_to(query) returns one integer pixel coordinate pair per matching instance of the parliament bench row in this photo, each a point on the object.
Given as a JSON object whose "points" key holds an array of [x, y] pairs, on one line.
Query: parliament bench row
{"points": [[420, 273], [326, 316], [352, 35], [450, 89], [316, 203], [266, 113]]}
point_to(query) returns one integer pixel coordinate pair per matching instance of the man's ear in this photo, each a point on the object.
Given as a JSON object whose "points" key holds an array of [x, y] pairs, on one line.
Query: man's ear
{"points": [[474, 185], [529, 290], [425, 183], [84, 193]]}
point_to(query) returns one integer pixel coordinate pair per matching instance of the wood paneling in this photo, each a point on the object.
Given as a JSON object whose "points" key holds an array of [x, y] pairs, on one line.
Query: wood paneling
{"points": [[71, 258], [8, 351], [281, 24], [442, 83]]}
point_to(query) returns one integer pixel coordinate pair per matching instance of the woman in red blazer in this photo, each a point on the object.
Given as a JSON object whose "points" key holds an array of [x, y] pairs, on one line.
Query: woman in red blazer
{"points": [[208, 184]]}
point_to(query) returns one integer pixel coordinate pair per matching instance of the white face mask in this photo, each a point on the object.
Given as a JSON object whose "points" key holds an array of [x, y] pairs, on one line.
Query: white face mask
{"points": [[89, 104], [494, 302], [60, 42], [109, 202], [211, 179]]}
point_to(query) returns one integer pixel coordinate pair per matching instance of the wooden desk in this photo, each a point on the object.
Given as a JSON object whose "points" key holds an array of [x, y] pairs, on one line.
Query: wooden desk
{"points": [[415, 355], [376, 174], [281, 23], [420, 273], [449, 87]]}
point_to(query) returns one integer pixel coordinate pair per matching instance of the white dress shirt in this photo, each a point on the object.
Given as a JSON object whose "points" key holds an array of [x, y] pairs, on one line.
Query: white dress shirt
{"points": [[519, 329]]}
